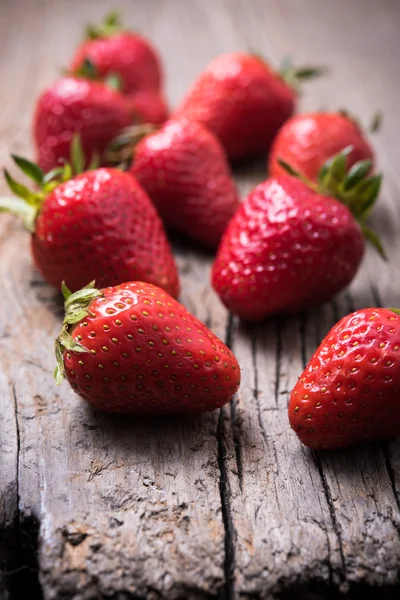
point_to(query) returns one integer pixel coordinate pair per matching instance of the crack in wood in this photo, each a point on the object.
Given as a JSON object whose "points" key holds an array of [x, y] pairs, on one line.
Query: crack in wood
{"points": [[229, 563], [278, 338], [235, 422]]}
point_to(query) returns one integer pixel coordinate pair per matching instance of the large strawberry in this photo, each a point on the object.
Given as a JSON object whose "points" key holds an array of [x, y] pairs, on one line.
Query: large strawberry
{"points": [[133, 349], [72, 105], [114, 50], [307, 141], [350, 390], [98, 224], [184, 170], [293, 243], [243, 101]]}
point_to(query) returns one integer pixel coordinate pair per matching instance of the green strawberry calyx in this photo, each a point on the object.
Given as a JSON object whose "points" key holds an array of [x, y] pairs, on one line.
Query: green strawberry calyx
{"points": [[77, 307], [295, 76], [122, 148], [88, 70], [28, 202], [354, 187], [111, 25], [374, 126]]}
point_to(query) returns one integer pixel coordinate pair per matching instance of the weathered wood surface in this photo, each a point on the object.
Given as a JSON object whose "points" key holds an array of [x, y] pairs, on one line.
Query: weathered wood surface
{"points": [[225, 505]]}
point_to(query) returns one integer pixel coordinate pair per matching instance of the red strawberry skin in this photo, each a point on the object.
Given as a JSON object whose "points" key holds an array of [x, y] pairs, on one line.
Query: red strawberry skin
{"points": [[139, 67], [307, 141], [286, 249], [242, 100], [184, 170], [76, 105], [102, 225], [149, 355], [350, 390]]}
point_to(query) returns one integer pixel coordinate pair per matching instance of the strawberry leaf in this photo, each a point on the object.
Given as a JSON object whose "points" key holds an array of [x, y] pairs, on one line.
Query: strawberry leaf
{"points": [[76, 308], [374, 239], [20, 190], [88, 70], [357, 173], [376, 122], [95, 162], [77, 158], [66, 292], [53, 174], [111, 26], [114, 82], [30, 169], [288, 168], [19, 208]]}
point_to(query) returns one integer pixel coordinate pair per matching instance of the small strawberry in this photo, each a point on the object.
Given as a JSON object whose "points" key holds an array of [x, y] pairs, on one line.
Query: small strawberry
{"points": [[307, 141], [133, 349], [99, 224], [350, 390], [243, 101], [77, 105], [293, 243], [184, 170], [114, 50]]}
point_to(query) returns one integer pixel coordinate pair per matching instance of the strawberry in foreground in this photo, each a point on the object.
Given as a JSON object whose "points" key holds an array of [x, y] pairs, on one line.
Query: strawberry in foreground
{"points": [[114, 50], [77, 105], [133, 349], [293, 244], [184, 170], [307, 141], [243, 101], [350, 390], [99, 223]]}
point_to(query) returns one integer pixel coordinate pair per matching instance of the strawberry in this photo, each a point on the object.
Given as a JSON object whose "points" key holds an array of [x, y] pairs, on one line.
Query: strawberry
{"points": [[243, 101], [350, 390], [77, 105], [98, 223], [184, 170], [307, 141], [293, 243], [133, 349], [113, 50]]}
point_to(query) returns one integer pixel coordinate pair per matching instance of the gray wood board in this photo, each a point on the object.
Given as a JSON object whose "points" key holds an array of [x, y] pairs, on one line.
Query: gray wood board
{"points": [[224, 505]]}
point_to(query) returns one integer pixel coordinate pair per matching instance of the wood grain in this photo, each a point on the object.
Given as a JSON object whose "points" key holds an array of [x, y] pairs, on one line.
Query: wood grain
{"points": [[225, 505]]}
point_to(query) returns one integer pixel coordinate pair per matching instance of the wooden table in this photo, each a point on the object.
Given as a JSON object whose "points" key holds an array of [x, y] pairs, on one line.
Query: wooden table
{"points": [[227, 505]]}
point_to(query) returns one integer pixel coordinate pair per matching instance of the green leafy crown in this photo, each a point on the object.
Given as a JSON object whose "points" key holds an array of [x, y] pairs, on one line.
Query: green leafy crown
{"points": [[88, 70], [354, 187], [295, 76], [111, 25], [28, 202], [77, 307]]}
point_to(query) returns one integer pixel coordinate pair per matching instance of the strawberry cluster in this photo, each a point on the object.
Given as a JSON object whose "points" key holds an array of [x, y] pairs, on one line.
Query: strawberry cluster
{"points": [[115, 172]]}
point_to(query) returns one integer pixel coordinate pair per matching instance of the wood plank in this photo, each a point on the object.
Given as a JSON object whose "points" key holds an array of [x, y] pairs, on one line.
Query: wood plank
{"points": [[224, 505]]}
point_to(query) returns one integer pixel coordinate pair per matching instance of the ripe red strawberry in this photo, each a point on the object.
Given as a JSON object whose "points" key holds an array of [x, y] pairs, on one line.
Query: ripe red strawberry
{"points": [[184, 170], [77, 105], [290, 246], [133, 349], [243, 101], [100, 224], [114, 50], [350, 390], [307, 141]]}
